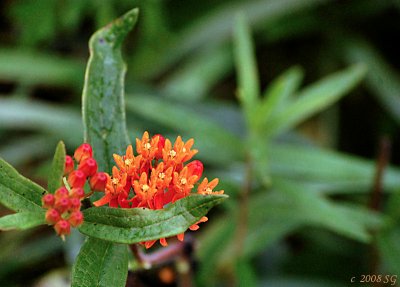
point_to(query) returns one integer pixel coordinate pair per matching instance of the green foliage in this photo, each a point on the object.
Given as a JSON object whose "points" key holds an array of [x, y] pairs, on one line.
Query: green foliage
{"points": [[103, 106], [135, 225], [22, 220], [17, 192], [100, 263], [182, 60], [57, 168]]}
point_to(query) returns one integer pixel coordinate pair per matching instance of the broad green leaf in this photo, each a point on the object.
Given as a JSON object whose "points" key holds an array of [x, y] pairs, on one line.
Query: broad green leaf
{"points": [[100, 263], [57, 168], [327, 171], [315, 98], [22, 220], [136, 224], [103, 104], [17, 192], [246, 66], [278, 96]]}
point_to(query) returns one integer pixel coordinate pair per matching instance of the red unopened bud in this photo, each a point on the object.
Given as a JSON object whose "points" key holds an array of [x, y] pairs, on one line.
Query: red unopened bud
{"points": [[88, 166], [160, 146], [98, 181], [83, 151], [48, 200], [77, 178], [76, 218], [195, 168], [77, 192], [75, 203], [52, 216], [61, 192], [69, 165], [62, 227], [62, 204]]}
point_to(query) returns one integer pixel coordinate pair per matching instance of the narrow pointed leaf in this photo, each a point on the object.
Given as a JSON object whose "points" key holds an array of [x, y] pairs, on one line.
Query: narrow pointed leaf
{"points": [[246, 66], [278, 96], [100, 263], [103, 104], [57, 168], [316, 98], [17, 192], [136, 224], [22, 220]]}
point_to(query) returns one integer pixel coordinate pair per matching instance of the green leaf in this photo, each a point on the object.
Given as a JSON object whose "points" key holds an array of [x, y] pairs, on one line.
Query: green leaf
{"points": [[327, 171], [134, 225], [63, 122], [17, 192], [22, 220], [315, 98], [57, 168], [277, 96], [103, 103], [100, 263], [246, 66], [33, 68]]}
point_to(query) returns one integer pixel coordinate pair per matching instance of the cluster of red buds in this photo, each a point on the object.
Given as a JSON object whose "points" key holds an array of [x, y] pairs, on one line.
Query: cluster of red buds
{"points": [[63, 207], [156, 176]]}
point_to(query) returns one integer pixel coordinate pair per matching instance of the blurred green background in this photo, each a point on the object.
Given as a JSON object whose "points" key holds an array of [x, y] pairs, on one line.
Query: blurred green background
{"points": [[305, 205]]}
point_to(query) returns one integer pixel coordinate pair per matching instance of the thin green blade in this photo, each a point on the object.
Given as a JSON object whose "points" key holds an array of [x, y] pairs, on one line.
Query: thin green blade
{"points": [[57, 168], [316, 98]]}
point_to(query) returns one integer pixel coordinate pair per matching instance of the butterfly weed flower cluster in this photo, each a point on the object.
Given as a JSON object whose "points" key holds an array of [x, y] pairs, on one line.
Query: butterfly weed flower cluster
{"points": [[159, 174], [63, 207]]}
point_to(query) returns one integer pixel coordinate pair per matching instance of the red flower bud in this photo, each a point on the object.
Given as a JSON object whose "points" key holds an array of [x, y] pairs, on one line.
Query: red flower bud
{"points": [[83, 151], [77, 178], [88, 166], [76, 218], [62, 227], [75, 203], [48, 200], [160, 146], [52, 216], [69, 165], [61, 192], [98, 181], [195, 168], [62, 204], [77, 192]]}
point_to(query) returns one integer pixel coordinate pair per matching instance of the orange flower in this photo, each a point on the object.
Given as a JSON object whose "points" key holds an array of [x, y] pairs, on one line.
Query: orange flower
{"points": [[127, 163], [145, 191], [146, 147], [206, 187], [180, 153], [155, 177]]}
